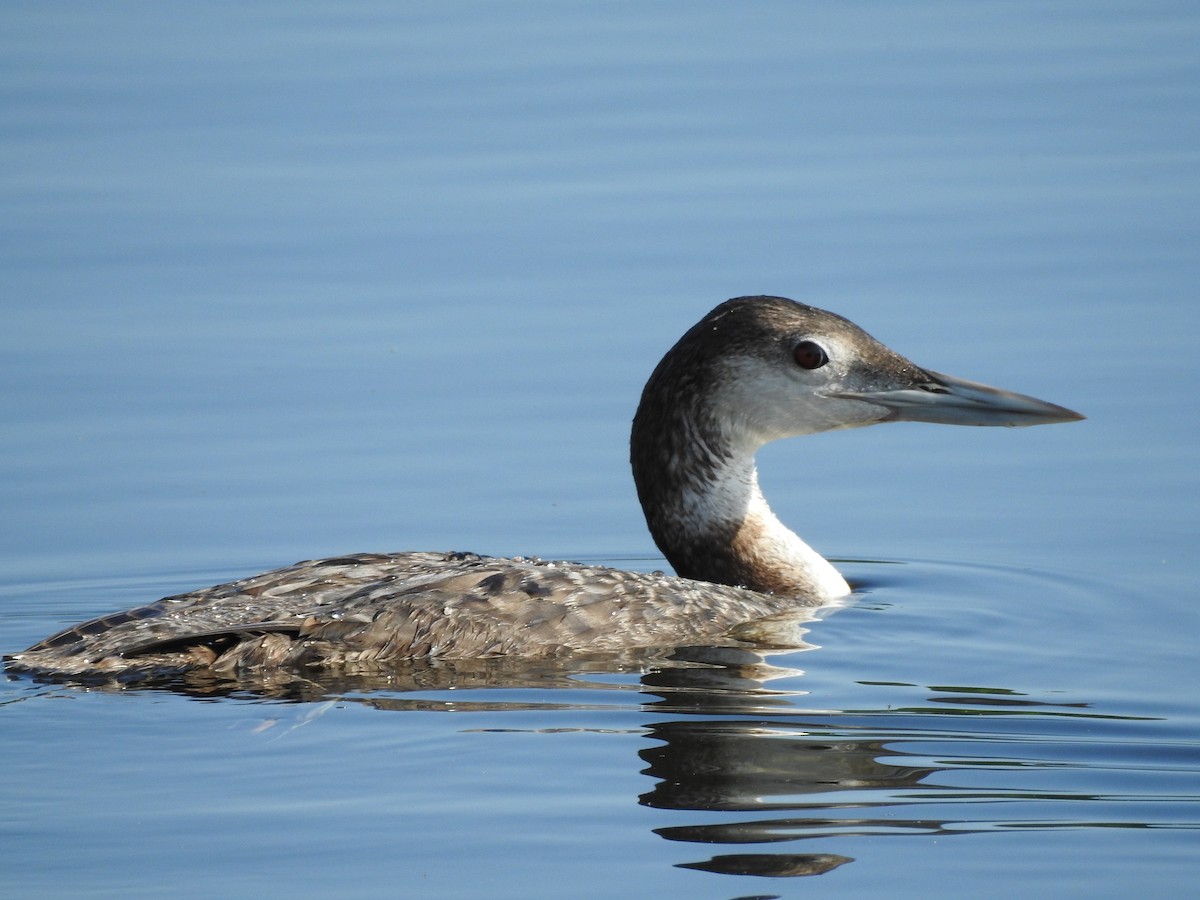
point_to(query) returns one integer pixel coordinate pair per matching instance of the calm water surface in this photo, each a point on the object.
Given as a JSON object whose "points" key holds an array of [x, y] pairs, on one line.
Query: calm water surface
{"points": [[293, 280]]}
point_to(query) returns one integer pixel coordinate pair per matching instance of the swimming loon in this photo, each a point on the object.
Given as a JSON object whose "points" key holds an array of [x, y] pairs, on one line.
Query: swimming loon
{"points": [[753, 370]]}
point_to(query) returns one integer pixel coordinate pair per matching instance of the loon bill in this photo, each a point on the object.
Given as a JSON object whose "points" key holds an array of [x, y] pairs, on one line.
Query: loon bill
{"points": [[754, 370]]}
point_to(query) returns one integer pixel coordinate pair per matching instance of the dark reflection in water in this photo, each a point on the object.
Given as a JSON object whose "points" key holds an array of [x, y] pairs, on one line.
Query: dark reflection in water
{"points": [[749, 766], [770, 772], [770, 864]]}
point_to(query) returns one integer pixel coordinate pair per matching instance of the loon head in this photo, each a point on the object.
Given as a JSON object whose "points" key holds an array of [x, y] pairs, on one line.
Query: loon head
{"points": [[763, 368]]}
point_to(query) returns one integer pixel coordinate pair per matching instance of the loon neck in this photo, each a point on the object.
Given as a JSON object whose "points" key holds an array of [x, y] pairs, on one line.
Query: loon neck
{"points": [[699, 489]]}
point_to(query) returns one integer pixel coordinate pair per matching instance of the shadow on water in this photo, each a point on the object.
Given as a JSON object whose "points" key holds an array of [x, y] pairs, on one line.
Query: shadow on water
{"points": [[764, 770]]}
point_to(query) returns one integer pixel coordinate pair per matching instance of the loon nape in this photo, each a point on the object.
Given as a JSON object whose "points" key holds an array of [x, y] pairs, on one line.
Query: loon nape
{"points": [[754, 370]]}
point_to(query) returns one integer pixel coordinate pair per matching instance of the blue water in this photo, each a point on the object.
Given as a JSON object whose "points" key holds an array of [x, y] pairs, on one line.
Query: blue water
{"points": [[293, 279]]}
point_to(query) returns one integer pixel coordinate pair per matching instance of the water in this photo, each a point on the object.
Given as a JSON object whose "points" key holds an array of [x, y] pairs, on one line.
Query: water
{"points": [[291, 280]]}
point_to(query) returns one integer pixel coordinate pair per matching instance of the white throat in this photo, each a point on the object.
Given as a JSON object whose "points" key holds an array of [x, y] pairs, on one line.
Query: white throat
{"points": [[732, 502]]}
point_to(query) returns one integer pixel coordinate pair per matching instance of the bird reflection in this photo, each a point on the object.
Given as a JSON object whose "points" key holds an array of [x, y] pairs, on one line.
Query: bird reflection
{"points": [[732, 739]]}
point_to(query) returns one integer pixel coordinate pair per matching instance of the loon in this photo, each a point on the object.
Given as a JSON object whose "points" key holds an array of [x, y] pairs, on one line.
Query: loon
{"points": [[754, 370]]}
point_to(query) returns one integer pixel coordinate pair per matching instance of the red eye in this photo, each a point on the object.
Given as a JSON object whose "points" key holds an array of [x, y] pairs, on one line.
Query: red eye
{"points": [[809, 355]]}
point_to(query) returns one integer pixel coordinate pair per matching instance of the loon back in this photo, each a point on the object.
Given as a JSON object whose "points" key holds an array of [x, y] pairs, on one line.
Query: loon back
{"points": [[366, 610], [754, 370]]}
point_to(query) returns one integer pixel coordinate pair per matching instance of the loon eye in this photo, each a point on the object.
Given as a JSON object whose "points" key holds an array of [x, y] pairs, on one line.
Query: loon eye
{"points": [[809, 355]]}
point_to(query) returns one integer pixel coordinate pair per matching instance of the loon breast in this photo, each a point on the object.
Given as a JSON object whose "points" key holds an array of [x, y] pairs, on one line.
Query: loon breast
{"points": [[754, 370]]}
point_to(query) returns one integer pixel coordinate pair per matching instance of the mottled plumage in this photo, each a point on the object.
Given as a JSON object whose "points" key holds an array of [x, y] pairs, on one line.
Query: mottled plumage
{"points": [[379, 608]]}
